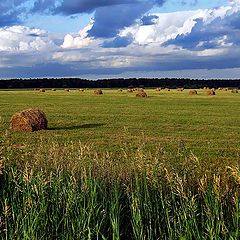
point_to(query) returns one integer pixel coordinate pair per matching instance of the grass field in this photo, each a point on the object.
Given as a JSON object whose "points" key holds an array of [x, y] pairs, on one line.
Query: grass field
{"points": [[164, 167]]}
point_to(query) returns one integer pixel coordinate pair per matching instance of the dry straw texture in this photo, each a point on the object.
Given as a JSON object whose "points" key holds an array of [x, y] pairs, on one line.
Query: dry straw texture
{"points": [[29, 120], [141, 94], [211, 93], [98, 92], [193, 92]]}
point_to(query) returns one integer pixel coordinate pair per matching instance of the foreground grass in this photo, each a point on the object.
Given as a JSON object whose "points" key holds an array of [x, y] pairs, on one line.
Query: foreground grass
{"points": [[71, 192], [117, 167]]}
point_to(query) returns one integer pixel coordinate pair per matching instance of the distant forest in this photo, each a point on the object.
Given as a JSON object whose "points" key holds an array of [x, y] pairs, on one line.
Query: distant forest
{"points": [[116, 83]]}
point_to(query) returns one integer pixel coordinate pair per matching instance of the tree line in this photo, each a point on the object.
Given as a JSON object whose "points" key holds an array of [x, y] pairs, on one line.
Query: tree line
{"points": [[117, 83]]}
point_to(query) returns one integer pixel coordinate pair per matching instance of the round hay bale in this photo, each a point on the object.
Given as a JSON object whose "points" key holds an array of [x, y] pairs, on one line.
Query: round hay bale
{"points": [[234, 91], [54, 90], [98, 92], [42, 90], [193, 92], [130, 90], [158, 89], [180, 89], [141, 93], [66, 89], [81, 90], [120, 90], [211, 93], [29, 120]]}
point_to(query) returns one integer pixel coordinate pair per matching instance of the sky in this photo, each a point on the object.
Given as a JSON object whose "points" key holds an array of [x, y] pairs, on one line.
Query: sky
{"points": [[97, 39]]}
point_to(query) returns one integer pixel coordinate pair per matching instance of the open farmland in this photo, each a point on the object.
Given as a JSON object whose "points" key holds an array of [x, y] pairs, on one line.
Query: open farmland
{"points": [[206, 124], [142, 149]]}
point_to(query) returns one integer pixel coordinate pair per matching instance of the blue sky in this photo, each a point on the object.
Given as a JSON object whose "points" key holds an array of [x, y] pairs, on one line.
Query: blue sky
{"points": [[120, 38]]}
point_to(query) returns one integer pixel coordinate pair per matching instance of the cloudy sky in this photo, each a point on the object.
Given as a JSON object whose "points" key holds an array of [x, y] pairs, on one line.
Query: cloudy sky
{"points": [[120, 38]]}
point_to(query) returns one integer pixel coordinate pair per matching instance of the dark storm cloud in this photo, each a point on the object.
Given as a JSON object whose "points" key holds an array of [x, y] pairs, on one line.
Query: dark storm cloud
{"points": [[70, 7], [149, 20], [110, 15], [108, 21], [10, 11], [44, 5]]}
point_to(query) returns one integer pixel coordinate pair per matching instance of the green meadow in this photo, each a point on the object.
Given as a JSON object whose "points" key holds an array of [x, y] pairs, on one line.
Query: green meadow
{"points": [[115, 166]]}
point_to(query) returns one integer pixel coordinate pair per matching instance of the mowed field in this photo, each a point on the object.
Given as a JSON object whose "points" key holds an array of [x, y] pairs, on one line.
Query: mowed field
{"points": [[207, 125], [120, 167]]}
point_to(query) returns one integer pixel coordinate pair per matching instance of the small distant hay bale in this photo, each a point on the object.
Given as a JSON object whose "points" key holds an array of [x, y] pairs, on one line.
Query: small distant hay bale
{"points": [[158, 89], [66, 89], [81, 90], [98, 92], [220, 89], [167, 89], [180, 89], [225, 89], [120, 90], [29, 120], [193, 92], [42, 90], [36, 89], [142, 94], [54, 90], [130, 90], [234, 91], [211, 93]]}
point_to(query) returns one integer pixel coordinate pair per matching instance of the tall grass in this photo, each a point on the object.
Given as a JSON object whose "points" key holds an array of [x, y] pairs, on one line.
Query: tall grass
{"points": [[71, 192]]}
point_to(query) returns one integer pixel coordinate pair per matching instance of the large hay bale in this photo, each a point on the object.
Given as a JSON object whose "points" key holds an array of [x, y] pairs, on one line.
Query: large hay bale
{"points": [[141, 94], [29, 120], [211, 93], [98, 92], [193, 92]]}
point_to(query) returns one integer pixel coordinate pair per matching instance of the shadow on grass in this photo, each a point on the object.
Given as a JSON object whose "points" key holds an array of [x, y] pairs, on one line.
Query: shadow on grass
{"points": [[90, 125]]}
